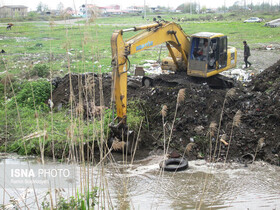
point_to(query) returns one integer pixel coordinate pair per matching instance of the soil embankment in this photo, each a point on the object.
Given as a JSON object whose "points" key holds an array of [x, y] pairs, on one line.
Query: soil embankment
{"points": [[205, 116]]}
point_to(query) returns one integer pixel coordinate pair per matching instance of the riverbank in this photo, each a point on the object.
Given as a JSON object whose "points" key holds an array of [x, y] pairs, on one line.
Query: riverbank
{"points": [[245, 117]]}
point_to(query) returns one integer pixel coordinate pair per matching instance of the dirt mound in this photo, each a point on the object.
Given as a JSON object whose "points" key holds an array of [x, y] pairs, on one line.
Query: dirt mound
{"points": [[269, 78], [85, 90], [256, 132], [260, 105]]}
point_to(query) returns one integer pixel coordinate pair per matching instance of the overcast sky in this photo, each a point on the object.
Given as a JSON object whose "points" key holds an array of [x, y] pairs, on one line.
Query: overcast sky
{"points": [[32, 4]]}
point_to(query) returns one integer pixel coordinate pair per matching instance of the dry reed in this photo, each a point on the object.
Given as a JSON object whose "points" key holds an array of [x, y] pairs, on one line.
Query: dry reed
{"points": [[164, 111], [181, 96], [261, 143], [180, 99], [237, 118]]}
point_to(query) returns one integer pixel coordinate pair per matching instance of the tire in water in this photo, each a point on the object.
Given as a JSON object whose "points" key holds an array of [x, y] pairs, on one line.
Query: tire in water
{"points": [[174, 164]]}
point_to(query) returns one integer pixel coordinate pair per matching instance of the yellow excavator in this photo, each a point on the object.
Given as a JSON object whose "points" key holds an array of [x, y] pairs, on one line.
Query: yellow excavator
{"points": [[201, 55]]}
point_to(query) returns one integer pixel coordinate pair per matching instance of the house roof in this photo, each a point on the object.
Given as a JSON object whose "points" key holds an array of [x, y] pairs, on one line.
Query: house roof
{"points": [[15, 6]]}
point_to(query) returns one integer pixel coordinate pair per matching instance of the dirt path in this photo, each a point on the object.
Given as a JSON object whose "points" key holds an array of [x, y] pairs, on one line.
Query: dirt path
{"points": [[260, 58], [70, 21], [58, 22]]}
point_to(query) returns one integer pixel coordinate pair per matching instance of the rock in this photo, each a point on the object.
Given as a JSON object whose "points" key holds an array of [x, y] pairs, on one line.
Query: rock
{"points": [[3, 154], [199, 129], [133, 85], [191, 149], [59, 107], [174, 154]]}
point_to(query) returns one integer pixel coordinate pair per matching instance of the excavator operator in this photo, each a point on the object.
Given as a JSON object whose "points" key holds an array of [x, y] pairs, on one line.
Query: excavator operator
{"points": [[204, 51]]}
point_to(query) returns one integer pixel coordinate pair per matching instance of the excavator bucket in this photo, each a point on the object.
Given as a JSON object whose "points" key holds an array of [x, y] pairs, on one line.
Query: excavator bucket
{"points": [[121, 139]]}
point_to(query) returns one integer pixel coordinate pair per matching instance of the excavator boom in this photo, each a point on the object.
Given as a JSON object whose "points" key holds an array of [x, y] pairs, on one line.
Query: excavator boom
{"points": [[153, 35], [183, 50]]}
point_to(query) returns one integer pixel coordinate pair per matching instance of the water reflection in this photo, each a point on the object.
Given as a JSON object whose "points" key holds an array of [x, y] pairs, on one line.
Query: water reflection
{"points": [[142, 185], [205, 186]]}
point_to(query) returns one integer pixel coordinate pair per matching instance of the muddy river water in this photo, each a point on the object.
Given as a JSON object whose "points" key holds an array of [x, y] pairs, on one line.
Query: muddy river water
{"points": [[142, 185]]}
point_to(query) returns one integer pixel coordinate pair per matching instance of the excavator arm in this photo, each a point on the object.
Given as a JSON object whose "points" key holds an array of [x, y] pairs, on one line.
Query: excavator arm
{"points": [[150, 36]]}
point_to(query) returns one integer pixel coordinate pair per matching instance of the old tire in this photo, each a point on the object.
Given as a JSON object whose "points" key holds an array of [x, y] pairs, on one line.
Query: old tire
{"points": [[147, 82], [174, 164], [247, 158]]}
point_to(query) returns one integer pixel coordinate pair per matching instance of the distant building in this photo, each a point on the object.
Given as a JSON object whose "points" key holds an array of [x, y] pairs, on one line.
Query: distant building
{"points": [[112, 9], [91, 9], [87, 10], [69, 11], [135, 9], [11, 11], [53, 12], [210, 10]]}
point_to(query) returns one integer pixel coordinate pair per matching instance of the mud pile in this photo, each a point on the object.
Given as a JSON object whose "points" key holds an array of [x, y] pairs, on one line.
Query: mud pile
{"points": [[258, 131], [84, 88], [87, 90], [260, 105]]}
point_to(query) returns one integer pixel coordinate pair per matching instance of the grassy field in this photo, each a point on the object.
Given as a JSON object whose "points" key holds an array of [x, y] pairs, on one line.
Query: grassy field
{"points": [[49, 43], [38, 51]]}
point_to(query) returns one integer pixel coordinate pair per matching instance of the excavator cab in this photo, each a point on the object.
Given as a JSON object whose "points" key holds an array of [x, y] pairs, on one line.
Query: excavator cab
{"points": [[210, 55]]}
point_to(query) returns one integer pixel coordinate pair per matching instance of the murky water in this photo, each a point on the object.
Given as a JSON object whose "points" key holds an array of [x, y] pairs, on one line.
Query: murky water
{"points": [[142, 185]]}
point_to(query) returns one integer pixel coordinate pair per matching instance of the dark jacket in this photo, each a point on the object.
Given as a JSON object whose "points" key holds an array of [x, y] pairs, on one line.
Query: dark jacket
{"points": [[246, 51]]}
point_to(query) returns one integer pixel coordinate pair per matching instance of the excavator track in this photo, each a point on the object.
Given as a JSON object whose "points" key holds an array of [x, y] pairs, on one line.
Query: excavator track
{"points": [[216, 82], [220, 82]]}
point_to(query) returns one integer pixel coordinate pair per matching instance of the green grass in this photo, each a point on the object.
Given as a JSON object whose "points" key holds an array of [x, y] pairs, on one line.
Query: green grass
{"points": [[33, 42], [34, 48], [255, 33], [58, 132], [37, 51], [26, 112]]}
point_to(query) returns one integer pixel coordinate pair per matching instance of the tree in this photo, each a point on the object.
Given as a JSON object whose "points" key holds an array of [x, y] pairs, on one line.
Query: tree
{"points": [[203, 9], [60, 6], [32, 14], [188, 7], [45, 8], [42, 7]]}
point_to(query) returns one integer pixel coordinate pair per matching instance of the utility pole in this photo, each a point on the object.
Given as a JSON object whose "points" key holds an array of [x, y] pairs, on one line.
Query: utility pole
{"points": [[145, 9], [86, 11]]}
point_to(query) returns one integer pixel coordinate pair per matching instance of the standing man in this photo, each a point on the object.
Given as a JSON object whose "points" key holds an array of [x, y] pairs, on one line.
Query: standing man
{"points": [[246, 54]]}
